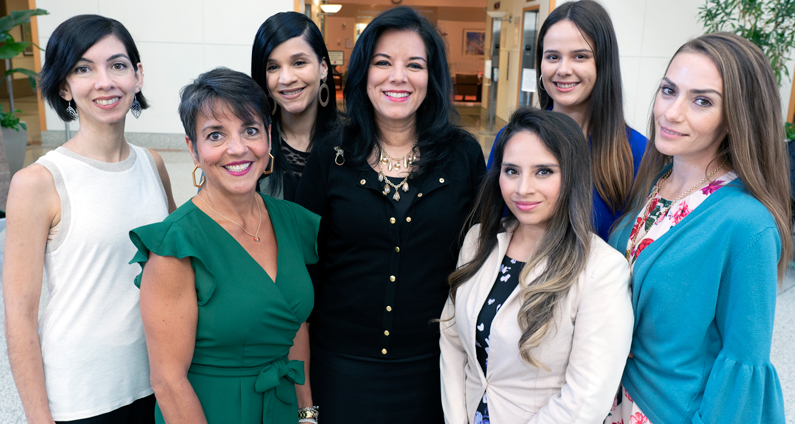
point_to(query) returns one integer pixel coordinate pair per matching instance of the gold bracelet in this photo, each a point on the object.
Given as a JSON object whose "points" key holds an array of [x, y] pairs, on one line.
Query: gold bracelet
{"points": [[309, 412]]}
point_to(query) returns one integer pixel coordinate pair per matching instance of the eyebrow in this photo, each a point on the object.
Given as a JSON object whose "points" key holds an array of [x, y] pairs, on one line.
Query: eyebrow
{"points": [[540, 165], [411, 58], [695, 91], [295, 56], [115, 56], [573, 51]]}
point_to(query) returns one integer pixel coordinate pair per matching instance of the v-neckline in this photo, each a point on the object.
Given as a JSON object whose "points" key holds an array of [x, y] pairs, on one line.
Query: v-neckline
{"points": [[240, 246]]}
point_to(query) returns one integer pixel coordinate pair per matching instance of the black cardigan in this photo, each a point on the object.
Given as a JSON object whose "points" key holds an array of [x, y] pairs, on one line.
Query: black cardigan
{"points": [[382, 278]]}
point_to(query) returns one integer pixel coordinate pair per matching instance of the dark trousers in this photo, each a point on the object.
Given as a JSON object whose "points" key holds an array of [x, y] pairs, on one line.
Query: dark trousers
{"points": [[142, 411]]}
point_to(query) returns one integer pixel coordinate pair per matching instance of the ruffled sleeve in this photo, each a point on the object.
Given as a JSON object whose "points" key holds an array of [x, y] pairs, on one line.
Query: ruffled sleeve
{"points": [[169, 238], [743, 386]]}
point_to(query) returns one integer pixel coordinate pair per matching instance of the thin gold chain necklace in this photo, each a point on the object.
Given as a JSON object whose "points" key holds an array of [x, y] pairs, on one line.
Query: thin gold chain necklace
{"points": [[655, 192], [255, 235]]}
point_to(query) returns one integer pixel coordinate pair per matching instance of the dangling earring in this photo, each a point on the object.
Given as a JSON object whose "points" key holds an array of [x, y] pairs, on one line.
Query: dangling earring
{"points": [[270, 169], [70, 110], [320, 93], [193, 173], [136, 107], [541, 83]]}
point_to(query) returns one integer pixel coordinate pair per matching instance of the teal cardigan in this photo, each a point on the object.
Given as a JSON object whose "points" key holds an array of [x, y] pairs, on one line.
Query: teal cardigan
{"points": [[704, 296]]}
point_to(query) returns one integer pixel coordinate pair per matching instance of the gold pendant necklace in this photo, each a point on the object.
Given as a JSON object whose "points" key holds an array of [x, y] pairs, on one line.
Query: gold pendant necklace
{"points": [[255, 235], [408, 163]]}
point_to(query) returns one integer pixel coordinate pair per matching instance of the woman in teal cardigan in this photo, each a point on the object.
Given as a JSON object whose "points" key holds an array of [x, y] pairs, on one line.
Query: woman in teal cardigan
{"points": [[704, 240]]}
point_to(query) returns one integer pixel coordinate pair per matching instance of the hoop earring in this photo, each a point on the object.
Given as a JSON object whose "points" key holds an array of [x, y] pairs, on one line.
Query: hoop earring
{"points": [[70, 110], [135, 109], [541, 83], [193, 174], [320, 93], [270, 169]]}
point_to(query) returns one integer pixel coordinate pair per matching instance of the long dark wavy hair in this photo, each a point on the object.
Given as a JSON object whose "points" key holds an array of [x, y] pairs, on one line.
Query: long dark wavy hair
{"points": [[753, 147], [276, 30], [611, 155], [437, 135], [564, 247]]}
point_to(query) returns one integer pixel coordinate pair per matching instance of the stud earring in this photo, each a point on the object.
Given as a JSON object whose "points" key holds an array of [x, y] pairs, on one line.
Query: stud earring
{"points": [[71, 111], [324, 86], [136, 107], [193, 173]]}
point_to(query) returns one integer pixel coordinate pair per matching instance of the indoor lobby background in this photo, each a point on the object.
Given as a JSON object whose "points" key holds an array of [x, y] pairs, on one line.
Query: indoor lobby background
{"points": [[179, 39]]}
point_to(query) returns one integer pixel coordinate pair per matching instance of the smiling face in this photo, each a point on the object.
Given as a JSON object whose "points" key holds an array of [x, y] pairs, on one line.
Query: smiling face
{"points": [[688, 109], [397, 80], [232, 153], [293, 74], [530, 180], [568, 66], [103, 83]]}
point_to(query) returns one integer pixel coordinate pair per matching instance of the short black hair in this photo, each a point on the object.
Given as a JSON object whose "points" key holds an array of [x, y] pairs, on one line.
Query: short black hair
{"points": [[241, 94], [67, 45], [436, 134]]}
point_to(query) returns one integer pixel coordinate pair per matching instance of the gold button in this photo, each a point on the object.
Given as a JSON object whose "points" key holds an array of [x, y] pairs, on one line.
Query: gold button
{"points": [[441, 180], [392, 278], [386, 332], [397, 249], [391, 220], [408, 219], [362, 182], [383, 351], [389, 309], [419, 194]]}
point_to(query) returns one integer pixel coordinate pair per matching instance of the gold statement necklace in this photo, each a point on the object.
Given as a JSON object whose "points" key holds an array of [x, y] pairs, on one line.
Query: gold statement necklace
{"points": [[255, 235], [654, 193], [406, 161]]}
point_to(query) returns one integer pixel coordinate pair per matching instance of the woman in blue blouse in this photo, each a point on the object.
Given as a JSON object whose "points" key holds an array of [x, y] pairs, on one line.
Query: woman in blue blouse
{"points": [[577, 54], [707, 236]]}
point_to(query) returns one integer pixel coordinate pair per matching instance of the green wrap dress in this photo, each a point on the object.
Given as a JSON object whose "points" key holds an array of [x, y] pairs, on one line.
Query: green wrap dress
{"points": [[247, 322]]}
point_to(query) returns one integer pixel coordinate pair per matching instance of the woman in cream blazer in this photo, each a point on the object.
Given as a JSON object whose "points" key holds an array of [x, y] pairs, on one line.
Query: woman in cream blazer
{"points": [[559, 341]]}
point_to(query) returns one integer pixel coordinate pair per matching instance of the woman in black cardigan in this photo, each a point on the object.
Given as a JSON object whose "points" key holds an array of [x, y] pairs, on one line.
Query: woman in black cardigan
{"points": [[393, 187]]}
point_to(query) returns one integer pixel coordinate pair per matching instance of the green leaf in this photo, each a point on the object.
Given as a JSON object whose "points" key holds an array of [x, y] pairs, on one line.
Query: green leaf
{"points": [[12, 50], [19, 16]]}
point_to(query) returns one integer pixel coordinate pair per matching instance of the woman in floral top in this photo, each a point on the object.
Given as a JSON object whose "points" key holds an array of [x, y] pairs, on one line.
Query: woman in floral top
{"points": [[704, 240]]}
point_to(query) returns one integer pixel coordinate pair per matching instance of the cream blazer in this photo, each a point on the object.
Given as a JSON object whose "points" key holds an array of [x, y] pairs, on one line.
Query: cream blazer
{"points": [[585, 350]]}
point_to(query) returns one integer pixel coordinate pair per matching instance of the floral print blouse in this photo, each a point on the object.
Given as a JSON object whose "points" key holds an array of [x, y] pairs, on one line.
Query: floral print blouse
{"points": [[507, 280], [664, 215]]}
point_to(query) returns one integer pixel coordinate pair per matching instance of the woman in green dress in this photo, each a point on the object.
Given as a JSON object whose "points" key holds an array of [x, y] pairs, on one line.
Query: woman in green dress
{"points": [[224, 289]]}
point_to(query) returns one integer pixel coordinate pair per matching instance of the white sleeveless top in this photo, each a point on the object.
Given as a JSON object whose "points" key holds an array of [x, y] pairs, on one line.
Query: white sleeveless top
{"points": [[91, 334]]}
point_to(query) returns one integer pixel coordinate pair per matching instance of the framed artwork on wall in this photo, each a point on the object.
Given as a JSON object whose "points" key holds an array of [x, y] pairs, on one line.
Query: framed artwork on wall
{"points": [[474, 42]]}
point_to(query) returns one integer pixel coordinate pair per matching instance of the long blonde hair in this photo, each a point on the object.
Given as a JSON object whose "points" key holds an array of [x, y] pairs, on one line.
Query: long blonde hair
{"points": [[563, 249], [754, 146]]}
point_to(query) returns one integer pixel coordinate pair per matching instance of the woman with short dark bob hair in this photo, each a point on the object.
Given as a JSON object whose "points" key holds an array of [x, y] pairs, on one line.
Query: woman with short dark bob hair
{"points": [[393, 187], [290, 62], [526, 336], [70, 213], [224, 289]]}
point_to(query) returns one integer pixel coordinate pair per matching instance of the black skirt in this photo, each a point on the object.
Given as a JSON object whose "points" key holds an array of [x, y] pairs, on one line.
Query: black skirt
{"points": [[351, 389]]}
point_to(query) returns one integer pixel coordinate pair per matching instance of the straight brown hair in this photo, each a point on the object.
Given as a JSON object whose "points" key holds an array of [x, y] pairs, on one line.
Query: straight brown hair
{"points": [[754, 146]]}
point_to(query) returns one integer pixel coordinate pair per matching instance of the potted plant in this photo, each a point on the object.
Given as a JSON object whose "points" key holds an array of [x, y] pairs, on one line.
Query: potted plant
{"points": [[15, 141]]}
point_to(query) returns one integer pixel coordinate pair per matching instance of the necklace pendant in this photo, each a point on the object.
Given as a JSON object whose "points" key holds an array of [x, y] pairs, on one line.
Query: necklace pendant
{"points": [[405, 187], [256, 238], [390, 166], [396, 196], [381, 177], [397, 166], [386, 189]]}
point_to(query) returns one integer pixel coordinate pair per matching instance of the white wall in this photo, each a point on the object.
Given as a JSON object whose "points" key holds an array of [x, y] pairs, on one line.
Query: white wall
{"points": [[177, 40], [649, 32]]}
